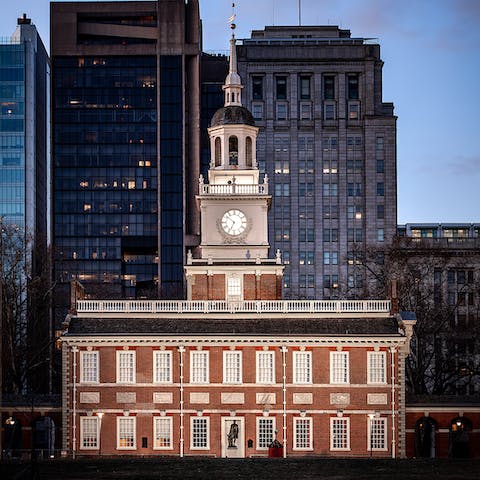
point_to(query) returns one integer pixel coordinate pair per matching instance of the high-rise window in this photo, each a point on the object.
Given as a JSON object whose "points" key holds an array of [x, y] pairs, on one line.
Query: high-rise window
{"points": [[281, 88], [380, 235], [302, 433], [339, 371], [380, 211], [89, 433], [162, 433], [89, 367], [257, 88], [305, 87], [199, 367], [200, 433], [328, 87], [232, 367], [266, 367], [376, 367], [302, 367], [126, 367], [265, 432], [126, 433], [380, 189], [340, 433], [352, 87], [162, 366]]}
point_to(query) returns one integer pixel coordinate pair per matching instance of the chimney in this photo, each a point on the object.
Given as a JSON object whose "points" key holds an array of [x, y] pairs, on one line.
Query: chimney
{"points": [[394, 296]]}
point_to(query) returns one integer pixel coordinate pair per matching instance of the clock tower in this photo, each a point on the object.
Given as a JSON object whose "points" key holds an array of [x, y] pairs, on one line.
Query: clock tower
{"points": [[233, 263]]}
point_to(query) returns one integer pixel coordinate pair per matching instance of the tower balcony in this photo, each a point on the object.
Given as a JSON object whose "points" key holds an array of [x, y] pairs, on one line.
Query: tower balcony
{"points": [[234, 189]]}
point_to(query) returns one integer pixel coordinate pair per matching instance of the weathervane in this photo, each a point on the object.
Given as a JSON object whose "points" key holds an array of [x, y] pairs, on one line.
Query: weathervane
{"points": [[232, 18]]}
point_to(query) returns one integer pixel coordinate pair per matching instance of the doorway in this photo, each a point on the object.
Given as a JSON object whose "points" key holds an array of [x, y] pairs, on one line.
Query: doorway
{"points": [[233, 437]]}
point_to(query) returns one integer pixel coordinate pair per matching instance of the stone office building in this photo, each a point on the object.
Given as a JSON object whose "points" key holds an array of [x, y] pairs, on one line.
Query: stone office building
{"points": [[234, 367]]}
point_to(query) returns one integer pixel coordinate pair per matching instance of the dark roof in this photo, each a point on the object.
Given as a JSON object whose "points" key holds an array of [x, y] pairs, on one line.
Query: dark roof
{"points": [[233, 326], [232, 115], [434, 400]]}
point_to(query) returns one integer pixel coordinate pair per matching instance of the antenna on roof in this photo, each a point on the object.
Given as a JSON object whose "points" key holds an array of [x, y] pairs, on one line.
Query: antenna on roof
{"points": [[299, 13]]}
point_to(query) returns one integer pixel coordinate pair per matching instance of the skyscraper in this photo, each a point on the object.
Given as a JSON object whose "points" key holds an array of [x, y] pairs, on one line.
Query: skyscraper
{"points": [[125, 144], [328, 143]]}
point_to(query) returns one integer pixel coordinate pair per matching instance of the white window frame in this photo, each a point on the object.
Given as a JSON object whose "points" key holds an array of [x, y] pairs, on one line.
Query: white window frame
{"points": [[133, 375], [334, 372], [261, 420], [296, 422], [298, 378], [194, 377], [232, 372], [94, 354], [305, 110], [234, 287], [383, 438], [280, 105], [262, 371], [376, 375], [257, 108], [194, 420], [160, 371], [327, 103], [133, 421], [346, 422], [156, 430], [83, 421]]}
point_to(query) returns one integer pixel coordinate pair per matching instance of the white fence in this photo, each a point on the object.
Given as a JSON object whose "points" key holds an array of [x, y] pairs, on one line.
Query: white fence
{"points": [[248, 306], [234, 189]]}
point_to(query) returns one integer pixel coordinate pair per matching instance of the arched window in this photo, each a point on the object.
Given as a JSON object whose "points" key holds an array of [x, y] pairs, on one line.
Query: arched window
{"points": [[459, 442], [233, 150], [425, 437], [248, 151], [218, 152]]}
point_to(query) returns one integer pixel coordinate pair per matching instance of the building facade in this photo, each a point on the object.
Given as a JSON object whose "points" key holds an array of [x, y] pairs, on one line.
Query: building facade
{"points": [[234, 371], [125, 144], [328, 144]]}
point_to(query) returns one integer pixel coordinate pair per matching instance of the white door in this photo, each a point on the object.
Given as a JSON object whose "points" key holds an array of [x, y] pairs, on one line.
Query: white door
{"points": [[233, 437]]}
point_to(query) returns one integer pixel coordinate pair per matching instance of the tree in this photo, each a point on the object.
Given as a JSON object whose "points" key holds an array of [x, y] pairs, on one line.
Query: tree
{"points": [[25, 291]]}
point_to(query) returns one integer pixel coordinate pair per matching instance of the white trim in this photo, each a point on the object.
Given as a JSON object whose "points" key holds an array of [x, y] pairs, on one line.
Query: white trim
{"points": [[260, 420], [370, 372], [369, 433], [157, 353], [296, 421], [133, 421], [237, 276], [238, 374], [308, 377], [345, 420], [157, 420], [82, 432], [271, 354], [345, 369], [96, 354], [206, 374], [193, 420], [133, 375]]}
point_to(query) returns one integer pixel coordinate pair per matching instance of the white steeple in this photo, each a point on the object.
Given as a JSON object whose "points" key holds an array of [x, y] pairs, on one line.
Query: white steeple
{"points": [[233, 83]]}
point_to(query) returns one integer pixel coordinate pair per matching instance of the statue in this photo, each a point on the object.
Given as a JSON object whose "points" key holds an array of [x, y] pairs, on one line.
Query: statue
{"points": [[233, 435]]}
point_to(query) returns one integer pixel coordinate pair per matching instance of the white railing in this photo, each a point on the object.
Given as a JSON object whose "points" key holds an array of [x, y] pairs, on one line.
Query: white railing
{"points": [[247, 306], [234, 189]]}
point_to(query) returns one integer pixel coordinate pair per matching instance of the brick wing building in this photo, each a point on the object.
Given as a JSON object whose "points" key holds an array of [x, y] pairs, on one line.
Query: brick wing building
{"points": [[233, 367]]}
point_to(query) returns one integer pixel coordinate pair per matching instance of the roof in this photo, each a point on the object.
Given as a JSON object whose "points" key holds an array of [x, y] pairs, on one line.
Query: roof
{"points": [[232, 115], [233, 326]]}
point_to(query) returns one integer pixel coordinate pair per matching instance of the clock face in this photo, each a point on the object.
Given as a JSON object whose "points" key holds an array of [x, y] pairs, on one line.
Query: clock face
{"points": [[234, 222]]}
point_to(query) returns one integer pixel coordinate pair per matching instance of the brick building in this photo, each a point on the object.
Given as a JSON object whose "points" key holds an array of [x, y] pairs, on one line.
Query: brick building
{"points": [[233, 367]]}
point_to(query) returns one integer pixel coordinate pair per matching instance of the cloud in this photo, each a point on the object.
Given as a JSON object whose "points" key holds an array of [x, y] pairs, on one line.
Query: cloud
{"points": [[465, 165]]}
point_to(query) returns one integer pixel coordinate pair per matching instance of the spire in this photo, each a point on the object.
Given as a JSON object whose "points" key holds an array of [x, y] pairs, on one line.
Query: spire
{"points": [[233, 84]]}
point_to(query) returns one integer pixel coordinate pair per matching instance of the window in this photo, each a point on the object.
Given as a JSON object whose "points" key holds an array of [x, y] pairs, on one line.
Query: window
{"points": [[281, 88], [339, 434], [234, 288], [305, 111], [330, 189], [353, 110], [376, 367], [162, 366], [380, 189], [233, 150], [218, 151], [339, 367], [328, 87], [377, 434], [126, 433], [257, 88], [89, 367], [265, 367], [89, 433], [329, 111], [248, 151], [380, 211], [380, 235], [302, 434], [282, 189], [257, 111], [302, 367], [199, 366], [200, 435], [162, 433], [265, 432], [126, 367], [281, 111], [232, 367], [352, 87], [304, 87], [380, 166]]}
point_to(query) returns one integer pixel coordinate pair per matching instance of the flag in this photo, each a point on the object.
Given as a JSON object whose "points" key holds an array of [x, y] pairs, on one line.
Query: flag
{"points": [[232, 18]]}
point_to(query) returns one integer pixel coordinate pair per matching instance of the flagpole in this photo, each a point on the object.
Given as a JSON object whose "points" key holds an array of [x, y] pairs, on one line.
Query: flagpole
{"points": [[299, 13]]}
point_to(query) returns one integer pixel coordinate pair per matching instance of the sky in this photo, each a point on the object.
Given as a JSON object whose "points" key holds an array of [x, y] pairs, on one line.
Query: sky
{"points": [[431, 72]]}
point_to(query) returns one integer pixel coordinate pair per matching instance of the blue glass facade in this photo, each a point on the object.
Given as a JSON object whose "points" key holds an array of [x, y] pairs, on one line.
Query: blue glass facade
{"points": [[12, 133]]}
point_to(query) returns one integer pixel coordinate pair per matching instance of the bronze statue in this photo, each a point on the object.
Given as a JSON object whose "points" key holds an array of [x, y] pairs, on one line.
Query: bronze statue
{"points": [[233, 435]]}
